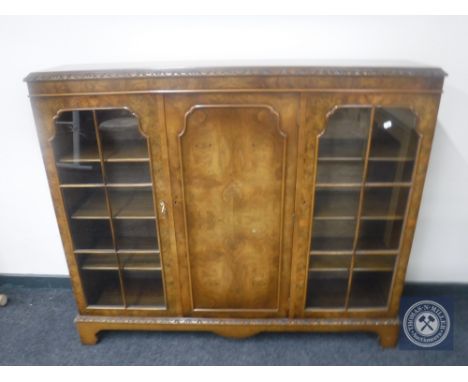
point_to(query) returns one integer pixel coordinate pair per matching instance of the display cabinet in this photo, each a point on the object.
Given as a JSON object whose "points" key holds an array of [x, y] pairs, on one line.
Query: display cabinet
{"points": [[237, 199]]}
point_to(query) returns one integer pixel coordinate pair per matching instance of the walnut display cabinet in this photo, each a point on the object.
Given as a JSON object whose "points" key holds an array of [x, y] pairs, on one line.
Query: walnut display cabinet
{"points": [[237, 199]]}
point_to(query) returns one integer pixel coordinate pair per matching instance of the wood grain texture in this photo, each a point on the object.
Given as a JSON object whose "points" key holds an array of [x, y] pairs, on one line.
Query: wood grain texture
{"points": [[233, 164], [234, 179]]}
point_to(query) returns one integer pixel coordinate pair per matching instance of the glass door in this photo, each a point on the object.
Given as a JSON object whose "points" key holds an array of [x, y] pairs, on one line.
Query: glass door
{"points": [[104, 170], [365, 162]]}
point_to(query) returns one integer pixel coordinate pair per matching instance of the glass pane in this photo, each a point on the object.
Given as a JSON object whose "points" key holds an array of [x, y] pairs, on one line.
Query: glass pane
{"points": [[327, 289], [79, 173], [393, 146], [102, 287], [131, 203], [334, 203], [119, 253], [340, 167], [131, 172], [120, 136], [346, 134], [342, 147], [385, 203], [370, 289], [389, 171], [91, 235], [340, 186], [394, 134], [75, 148], [86, 203], [341, 171], [143, 288], [333, 235], [379, 234], [136, 235]]}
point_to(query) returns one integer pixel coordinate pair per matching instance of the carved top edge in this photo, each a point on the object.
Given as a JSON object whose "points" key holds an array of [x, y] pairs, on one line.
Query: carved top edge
{"points": [[141, 73]]}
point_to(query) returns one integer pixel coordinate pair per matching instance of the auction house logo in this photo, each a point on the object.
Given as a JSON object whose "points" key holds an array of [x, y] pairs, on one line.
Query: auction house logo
{"points": [[426, 323]]}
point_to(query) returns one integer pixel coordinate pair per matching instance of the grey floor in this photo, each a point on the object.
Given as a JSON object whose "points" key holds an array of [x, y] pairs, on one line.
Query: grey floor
{"points": [[36, 328]]}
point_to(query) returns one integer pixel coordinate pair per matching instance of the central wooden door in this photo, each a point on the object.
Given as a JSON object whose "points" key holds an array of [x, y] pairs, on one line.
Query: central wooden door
{"points": [[232, 161]]}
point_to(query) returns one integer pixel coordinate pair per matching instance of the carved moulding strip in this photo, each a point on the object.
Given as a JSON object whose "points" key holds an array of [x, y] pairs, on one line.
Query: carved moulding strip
{"points": [[236, 71], [207, 322]]}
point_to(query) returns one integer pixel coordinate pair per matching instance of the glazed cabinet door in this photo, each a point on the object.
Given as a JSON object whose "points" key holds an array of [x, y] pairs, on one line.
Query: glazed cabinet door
{"points": [[360, 180], [107, 167], [233, 161]]}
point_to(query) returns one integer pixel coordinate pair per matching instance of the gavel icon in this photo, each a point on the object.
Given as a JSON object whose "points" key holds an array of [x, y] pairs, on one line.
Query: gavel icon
{"points": [[427, 322]]}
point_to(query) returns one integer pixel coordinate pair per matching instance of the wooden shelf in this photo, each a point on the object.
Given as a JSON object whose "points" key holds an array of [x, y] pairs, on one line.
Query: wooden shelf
{"points": [[374, 263], [329, 263], [353, 150], [93, 207], [135, 262], [379, 252], [361, 159], [350, 173], [363, 263], [131, 151], [146, 262], [124, 205], [130, 185], [342, 204], [366, 184], [136, 245], [100, 246], [127, 172], [82, 185], [132, 204], [337, 245], [99, 262]]}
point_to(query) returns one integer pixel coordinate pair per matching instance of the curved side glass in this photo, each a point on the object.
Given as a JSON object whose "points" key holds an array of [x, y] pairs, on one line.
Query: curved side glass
{"points": [[365, 164], [104, 172]]}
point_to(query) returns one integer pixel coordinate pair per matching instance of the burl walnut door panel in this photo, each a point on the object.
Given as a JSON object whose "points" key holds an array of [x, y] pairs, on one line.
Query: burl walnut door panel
{"points": [[232, 167]]}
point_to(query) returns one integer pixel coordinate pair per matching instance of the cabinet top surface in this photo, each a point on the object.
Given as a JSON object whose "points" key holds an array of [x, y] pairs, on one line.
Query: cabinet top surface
{"points": [[236, 68]]}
